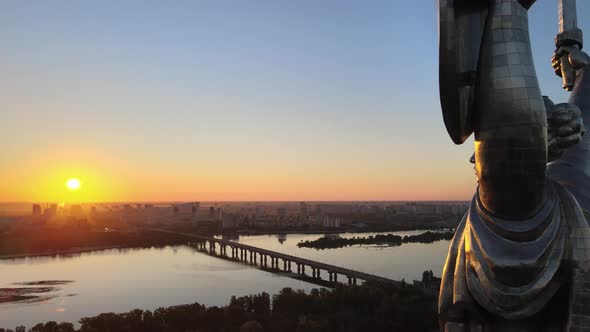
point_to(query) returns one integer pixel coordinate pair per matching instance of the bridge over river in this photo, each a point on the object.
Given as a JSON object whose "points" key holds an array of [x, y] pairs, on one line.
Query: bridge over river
{"points": [[261, 257]]}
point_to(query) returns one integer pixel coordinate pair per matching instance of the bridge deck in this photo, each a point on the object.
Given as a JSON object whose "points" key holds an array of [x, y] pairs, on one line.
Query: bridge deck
{"points": [[295, 259]]}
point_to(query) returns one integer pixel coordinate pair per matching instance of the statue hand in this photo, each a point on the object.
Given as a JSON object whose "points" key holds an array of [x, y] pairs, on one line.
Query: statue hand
{"points": [[577, 58], [565, 129]]}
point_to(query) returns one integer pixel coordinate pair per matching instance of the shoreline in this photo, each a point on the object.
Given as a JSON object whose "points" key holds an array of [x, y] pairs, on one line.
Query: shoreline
{"points": [[80, 250], [59, 252]]}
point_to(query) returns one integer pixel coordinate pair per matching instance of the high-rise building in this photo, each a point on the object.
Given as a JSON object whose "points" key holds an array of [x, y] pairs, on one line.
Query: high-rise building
{"points": [[51, 211], [303, 210], [36, 210]]}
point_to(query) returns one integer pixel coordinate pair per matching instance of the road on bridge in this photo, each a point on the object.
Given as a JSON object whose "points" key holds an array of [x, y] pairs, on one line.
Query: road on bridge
{"points": [[332, 270]]}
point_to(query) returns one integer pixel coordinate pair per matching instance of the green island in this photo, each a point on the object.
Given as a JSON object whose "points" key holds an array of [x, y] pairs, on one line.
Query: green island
{"points": [[370, 307], [332, 242]]}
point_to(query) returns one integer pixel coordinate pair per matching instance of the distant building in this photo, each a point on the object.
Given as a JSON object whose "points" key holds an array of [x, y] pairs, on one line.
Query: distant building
{"points": [[36, 210], [76, 211], [230, 221], [195, 209], [258, 214], [331, 222], [282, 212], [51, 211], [303, 210]]}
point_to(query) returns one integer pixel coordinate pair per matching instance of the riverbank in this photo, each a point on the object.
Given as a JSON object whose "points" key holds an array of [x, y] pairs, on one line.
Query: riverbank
{"points": [[346, 230], [51, 243], [55, 242], [59, 252]]}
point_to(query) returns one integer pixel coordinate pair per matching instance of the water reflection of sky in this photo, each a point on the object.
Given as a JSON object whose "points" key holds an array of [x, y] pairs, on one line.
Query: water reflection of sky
{"points": [[119, 280], [396, 262]]}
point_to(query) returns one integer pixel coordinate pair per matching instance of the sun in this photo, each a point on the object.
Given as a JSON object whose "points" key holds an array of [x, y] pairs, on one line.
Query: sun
{"points": [[73, 184]]}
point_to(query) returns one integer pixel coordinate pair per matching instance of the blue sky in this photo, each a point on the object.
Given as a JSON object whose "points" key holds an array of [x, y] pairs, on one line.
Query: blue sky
{"points": [[237, 99]]}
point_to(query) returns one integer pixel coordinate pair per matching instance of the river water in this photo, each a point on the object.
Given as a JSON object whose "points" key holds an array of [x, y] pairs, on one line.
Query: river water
{"points": [[121, 280]]}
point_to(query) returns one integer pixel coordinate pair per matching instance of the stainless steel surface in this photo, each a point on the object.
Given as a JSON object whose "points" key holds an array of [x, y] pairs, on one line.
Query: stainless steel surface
{"points": [[510, 126], [568, 19], [572, 169], [461, 26], [503, 274], [569, 35], [568, 75], [519, 258]]}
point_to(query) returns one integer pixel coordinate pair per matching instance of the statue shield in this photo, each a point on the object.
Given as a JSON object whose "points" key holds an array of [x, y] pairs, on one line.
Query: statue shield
{"points": [[461, 27]]}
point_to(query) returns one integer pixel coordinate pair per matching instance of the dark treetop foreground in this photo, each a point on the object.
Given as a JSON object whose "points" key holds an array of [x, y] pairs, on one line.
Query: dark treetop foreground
{"points": [[358, 308]]}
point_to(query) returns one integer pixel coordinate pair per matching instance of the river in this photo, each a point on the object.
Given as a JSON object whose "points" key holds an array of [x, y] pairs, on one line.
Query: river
{"points": [[121, 280]]}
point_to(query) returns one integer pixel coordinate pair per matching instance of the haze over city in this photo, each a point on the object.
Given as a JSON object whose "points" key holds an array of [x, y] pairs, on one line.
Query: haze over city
{"points": [[220, 101]]}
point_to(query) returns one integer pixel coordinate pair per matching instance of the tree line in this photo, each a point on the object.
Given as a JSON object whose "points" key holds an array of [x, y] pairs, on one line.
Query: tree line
{"points": [[370, 307], [331, 242]]}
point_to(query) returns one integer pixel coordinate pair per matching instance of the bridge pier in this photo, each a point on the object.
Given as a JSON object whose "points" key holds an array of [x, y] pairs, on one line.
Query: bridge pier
{"points": [[315, 272], [330, 275], [351, 280]]}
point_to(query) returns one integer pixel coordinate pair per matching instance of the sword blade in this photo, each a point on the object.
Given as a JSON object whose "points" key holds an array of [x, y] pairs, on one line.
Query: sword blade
{"points": [[568, 18]]}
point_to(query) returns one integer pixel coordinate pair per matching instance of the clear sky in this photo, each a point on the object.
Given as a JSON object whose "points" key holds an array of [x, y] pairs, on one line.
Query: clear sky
{"points": [[233, 100]]}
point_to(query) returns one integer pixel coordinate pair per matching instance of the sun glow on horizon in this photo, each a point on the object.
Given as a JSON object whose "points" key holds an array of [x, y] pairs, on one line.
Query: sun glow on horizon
{"points": [[73, 184]]}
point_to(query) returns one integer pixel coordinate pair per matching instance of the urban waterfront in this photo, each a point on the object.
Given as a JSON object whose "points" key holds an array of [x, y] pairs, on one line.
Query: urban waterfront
{"points": [[121, 280]]}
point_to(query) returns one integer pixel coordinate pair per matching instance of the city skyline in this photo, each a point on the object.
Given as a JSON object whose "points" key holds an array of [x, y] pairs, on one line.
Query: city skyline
{"points": [[337, 102]]}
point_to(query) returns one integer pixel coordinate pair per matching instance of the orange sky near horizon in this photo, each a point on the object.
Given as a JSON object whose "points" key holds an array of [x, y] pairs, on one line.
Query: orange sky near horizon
{"points": [[106, 178]]}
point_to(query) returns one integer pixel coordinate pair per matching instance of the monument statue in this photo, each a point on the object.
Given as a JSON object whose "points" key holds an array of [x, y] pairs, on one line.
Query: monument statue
{"points": [[520, 258]]}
